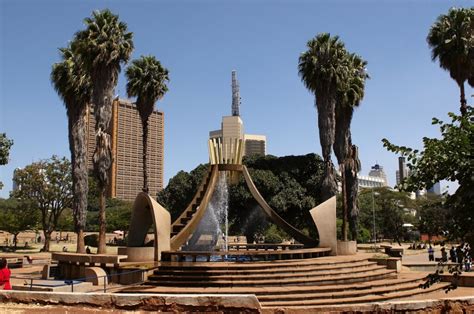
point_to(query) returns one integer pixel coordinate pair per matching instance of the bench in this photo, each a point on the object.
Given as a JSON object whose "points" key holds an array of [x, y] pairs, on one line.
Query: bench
{"points": [[90, 259], [393, 251]]}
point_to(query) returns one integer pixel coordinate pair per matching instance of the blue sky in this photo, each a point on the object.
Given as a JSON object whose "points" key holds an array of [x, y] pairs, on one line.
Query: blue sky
{"points": [[201, 42]]}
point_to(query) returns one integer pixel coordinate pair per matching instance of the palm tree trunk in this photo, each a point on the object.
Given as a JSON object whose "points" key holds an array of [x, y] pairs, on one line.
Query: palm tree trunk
{"points": [[345, 216], [102, 249], [326, 124], [77, 146], [144, 146], [463, 99], [104, 80]]}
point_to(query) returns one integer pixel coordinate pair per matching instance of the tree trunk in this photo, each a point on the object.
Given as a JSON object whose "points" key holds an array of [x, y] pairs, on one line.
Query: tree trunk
{"points": [[78, 148], [15, 239], [463, 99], [104, 79], [81, 247], [345, 216], [326, 124], [145, 144], [47, 240], [102, 224]]}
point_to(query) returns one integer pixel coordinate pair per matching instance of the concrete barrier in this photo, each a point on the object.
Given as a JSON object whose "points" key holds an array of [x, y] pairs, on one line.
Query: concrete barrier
{"points": [[238, 303]]}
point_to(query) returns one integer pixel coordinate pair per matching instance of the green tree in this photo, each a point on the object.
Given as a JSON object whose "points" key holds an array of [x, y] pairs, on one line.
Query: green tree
{"points": [[323, 70], [65, 222], [452, 42], [103, 47], [73, 86], [46, 185], [5, 145], [17, 216], [290, 184], [147, 80], [432, 215], [349, 96], [446, 158]]}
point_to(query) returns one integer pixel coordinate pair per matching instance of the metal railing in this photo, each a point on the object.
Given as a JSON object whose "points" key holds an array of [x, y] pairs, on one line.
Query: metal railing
{"points": [[72, 282]]}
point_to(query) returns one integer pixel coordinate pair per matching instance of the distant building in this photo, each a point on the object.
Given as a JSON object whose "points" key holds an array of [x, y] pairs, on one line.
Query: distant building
{"points": [[255, 144], [15, 185], [232, 127], [377, 171], [371, 182], [126, 173], [435, 189]]}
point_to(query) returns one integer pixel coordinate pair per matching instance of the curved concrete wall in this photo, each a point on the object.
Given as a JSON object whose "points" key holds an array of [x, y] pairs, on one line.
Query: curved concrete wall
{"points": [[147, 212], [324, 216]]}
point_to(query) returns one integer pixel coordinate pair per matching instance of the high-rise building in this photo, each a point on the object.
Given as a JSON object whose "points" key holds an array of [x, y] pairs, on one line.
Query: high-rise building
{"points": [[377, 171], [435, 189], [232, 127], [126, 173], [255, 144]]}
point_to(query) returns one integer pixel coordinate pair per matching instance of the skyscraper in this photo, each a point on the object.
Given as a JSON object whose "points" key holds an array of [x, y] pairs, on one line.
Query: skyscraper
{"points": [[126, 174], [232, 127]]}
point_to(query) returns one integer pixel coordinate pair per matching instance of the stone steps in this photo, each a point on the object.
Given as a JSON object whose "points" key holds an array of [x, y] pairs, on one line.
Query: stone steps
{"points": [[259, 271], [374, 296], [275, 292], [243, 276], [342, 278], [262, 265]]}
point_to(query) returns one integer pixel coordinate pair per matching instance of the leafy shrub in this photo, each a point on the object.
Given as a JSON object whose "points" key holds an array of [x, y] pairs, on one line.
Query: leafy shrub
{"points": [[91, 240]]}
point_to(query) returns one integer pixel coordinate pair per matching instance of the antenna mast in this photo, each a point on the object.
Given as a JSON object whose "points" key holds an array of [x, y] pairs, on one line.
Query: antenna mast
{"points": [[235, 95]]}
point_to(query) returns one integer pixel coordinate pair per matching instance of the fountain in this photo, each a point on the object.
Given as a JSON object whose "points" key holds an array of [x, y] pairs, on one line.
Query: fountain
{"points": [[213, 229]]}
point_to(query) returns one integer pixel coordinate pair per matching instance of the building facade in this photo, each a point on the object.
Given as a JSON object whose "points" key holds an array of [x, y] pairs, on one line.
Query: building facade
{"points": [[377, 171], [232, 127], [126, 174]]}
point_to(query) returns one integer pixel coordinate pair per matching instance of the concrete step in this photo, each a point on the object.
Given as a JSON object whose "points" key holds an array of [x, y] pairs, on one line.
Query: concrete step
{"points": [[209, 276], [192, 271], [259, 265], [369, 298], [276, 291], [307, 295], [345, 278]]}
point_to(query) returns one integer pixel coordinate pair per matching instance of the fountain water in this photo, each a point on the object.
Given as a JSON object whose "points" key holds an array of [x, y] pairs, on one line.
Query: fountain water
{"points": [[214, 226]]}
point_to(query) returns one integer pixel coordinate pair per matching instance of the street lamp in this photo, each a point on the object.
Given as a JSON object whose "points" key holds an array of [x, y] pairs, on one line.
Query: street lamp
{"points": [[373, 216]]}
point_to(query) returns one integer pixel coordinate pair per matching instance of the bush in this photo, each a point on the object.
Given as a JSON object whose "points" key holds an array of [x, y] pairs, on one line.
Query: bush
{"points": [[273, 235], [363, 235], [91, 240]]}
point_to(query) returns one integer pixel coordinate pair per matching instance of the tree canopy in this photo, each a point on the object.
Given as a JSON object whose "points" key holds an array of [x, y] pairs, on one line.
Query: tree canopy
{"points": [[291, 185], [47, 186], [446, 158]]}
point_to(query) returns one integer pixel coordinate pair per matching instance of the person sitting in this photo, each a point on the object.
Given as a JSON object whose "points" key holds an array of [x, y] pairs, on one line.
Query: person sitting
{"points": [[88, 250], [5, 274]]}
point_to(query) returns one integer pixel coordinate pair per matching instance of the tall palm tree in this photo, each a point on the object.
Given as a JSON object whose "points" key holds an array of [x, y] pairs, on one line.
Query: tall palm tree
{"points": [[73, 85], [323, 70], [346, 153], [451, 39], [147, 80], [104, 46]]}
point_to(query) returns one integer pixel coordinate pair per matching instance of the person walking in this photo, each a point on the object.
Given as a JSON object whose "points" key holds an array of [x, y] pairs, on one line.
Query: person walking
{"points": [[444, 255], [430, 254], [5, 274], [452, 254]]}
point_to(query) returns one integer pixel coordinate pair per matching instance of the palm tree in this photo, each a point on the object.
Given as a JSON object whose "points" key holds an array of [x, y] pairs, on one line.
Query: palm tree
{"points": [[103, 46], [346, 153], [452, 42], [147, 80], [323, 70], [73, 85]]}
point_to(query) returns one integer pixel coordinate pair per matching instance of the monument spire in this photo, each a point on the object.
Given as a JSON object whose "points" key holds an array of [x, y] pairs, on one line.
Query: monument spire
{"points": [[235, 95]]}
